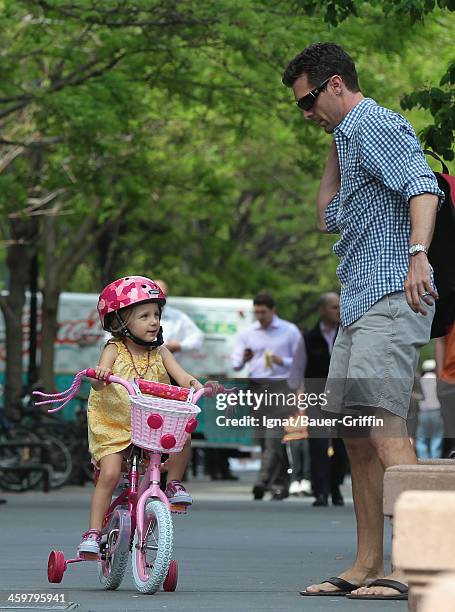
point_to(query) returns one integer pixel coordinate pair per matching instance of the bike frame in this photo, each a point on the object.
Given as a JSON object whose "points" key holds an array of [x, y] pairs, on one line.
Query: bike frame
{"points": [[137, 494]]}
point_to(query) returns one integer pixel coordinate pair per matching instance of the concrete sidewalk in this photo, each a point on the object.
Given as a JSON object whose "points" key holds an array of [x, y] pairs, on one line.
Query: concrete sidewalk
{"points": [[233, 553]]}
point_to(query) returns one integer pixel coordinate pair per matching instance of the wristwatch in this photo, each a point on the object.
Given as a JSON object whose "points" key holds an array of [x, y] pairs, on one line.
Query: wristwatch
{"points": [[417, 248]]}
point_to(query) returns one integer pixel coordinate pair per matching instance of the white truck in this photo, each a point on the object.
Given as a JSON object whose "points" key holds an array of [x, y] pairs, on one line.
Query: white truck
{"points": [[80, 336]]}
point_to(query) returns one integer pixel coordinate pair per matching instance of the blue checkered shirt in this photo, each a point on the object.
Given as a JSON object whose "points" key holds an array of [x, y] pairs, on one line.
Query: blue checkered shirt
{"points": [[382, 166]]}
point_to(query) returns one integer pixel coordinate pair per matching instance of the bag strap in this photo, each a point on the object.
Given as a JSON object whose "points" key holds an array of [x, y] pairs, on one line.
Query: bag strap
{"points": [[445, 170]]}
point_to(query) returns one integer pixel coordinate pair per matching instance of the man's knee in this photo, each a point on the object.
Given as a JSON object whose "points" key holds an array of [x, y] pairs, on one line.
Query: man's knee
{"points": [[359, 449]]}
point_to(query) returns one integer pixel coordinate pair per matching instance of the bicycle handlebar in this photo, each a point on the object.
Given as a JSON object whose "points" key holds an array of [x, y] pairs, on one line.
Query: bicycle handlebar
{"points": [[144, 386]]}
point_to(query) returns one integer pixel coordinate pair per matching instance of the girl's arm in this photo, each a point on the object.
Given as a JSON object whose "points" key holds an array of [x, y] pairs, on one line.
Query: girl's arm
{"points": [[104, 367], [175, 370]]}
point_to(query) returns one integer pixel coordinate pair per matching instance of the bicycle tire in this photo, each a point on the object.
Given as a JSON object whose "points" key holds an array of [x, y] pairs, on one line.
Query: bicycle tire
{"points": [[18, 482], [115, 554], [152, 556], [60, 460]]}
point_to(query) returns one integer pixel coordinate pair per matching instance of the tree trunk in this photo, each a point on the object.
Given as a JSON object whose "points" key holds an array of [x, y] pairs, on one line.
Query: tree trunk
{"points": [[49, 332], [49, 306], [12, 306], [60, 264]]}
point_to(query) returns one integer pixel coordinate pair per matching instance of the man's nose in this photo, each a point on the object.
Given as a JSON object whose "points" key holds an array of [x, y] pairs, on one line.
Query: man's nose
{"points": [[307, 114]]}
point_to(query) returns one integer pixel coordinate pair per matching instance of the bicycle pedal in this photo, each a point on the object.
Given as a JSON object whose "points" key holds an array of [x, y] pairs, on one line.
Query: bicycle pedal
{"points": [[88, 556], [178, 508]]}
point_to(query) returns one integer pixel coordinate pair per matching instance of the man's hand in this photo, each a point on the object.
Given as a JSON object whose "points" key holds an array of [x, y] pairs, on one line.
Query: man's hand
{"points": [[417, 285], [247, 355], [277, 360], [173, 346]]}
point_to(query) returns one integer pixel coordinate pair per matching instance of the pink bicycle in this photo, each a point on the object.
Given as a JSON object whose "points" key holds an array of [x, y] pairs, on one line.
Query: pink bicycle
{"points": [[139, 520]]}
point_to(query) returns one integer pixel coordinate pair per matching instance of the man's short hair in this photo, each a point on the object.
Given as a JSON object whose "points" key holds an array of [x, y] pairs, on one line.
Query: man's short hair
{"points": [[319, 62], [322, 300], [264, 299]]}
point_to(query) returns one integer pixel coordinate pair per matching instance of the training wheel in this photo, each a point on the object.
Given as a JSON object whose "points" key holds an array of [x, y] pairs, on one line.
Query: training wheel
{"points": [[56, 566], [170, 582]]}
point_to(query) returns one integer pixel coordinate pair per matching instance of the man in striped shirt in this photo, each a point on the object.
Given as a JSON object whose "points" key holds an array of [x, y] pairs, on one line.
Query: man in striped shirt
{"points": [[379, 194]]}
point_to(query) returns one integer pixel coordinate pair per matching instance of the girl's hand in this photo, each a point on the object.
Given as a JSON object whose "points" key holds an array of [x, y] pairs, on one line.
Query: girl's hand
{"points": [[195, 384], [102, 373], [214, 387]]}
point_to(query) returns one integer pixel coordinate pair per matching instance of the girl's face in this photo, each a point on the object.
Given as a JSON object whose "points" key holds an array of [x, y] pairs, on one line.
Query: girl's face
{"points": [[145, 321]]}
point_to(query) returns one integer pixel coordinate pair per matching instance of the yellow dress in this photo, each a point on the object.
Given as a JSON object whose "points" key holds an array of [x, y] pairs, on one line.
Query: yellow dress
{"points": [[109, 413]]}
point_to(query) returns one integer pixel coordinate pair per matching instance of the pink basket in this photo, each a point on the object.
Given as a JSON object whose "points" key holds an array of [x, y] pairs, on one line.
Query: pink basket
{"points": [[161, 424]]}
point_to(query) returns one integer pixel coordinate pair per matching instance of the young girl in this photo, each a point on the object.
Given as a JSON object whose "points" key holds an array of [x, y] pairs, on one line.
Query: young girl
{"points": [[130, 309]]}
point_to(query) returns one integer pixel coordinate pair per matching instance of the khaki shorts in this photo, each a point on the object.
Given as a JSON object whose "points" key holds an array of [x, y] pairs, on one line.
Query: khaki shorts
{"points": [[374, 359]]}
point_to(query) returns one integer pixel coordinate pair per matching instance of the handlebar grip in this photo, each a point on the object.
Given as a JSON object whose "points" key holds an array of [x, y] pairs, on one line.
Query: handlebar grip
{"points": [[210, 391]]}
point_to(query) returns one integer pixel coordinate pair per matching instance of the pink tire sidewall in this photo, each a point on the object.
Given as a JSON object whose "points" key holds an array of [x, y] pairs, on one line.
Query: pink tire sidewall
{"points": [[56, 566]]}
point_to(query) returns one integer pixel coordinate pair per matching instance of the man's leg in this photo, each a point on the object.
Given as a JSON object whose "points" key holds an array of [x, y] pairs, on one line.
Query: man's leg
{"points": [[338, 466], [367, 475], [395, 450]]}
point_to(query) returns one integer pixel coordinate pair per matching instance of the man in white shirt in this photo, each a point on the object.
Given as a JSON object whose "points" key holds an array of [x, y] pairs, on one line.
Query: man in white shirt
{"points": [[268, 346], [180, 333]]}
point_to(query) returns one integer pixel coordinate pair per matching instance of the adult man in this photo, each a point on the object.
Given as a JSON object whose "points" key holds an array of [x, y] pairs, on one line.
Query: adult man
{"points": [[180, 333], [327, 472], [378, 192], [269, 346]]}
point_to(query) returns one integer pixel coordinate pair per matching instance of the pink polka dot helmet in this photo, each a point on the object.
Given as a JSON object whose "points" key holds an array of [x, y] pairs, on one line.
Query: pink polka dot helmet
{"points": [[127, 291]]}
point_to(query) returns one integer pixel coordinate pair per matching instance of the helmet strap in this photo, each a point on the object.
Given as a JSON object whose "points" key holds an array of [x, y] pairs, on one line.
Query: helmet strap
{"points": [[126, 332]]}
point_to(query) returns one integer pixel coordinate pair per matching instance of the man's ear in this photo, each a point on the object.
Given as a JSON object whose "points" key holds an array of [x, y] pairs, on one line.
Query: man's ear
{"points": [[337, 84]]}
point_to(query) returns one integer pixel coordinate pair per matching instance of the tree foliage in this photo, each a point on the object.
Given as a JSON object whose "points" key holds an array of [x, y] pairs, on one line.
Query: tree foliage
{"points": [[154, 137]]}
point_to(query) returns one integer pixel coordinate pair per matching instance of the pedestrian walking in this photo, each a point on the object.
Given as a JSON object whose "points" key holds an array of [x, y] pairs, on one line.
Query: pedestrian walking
{"points": [[268, 347], [297, 446], [328, 455], [430, 428]]}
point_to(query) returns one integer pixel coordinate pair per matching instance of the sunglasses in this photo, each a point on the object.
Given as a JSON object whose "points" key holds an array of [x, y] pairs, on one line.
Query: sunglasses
{"points": [[306, 102]]}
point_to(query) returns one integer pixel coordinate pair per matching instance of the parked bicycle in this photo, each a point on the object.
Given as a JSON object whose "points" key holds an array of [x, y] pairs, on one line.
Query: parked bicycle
{"points": [[22, 458], [59, 436]]}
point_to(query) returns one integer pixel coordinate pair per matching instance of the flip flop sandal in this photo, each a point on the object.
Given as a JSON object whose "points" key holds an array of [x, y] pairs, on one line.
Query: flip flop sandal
{"points": [[344, 587], [385, 582]]}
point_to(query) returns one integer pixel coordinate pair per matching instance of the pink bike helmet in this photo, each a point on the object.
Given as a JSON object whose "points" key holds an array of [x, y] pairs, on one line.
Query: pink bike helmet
{"points": [[127, 291]]}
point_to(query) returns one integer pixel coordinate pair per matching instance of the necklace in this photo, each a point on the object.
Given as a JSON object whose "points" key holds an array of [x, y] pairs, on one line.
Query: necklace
{"points": [[140, 374]]}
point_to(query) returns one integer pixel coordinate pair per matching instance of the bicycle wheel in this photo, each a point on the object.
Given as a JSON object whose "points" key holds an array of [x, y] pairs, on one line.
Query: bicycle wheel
{"points": [[60, 460], [151, 557], [19, 481], [116, 550]]}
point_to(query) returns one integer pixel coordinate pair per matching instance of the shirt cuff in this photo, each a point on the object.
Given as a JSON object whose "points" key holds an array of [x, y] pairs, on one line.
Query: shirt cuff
{"points": [[423, 185], [287, 361], [331, 213]]}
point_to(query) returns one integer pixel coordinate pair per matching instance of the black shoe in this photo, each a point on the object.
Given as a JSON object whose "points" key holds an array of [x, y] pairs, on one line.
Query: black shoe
{"points": [[258, 491], [321, 500], [337, 498], [280, 493]]}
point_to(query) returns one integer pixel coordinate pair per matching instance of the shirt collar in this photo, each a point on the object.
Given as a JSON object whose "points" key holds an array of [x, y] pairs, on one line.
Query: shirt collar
{"points": [[349, 123], [274, 324], [326, 330]]}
